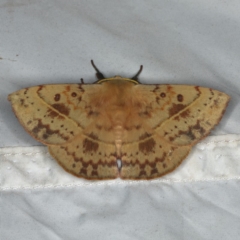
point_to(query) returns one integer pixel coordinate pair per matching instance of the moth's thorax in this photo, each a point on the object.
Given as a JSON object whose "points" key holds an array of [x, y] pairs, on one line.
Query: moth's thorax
{"points": [[118, 103], [117, 98], [117, 79], [114, 95]]}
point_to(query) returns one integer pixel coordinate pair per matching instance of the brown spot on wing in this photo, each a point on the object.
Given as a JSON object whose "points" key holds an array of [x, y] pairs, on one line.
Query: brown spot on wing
{"points": [[185, 113], [22, 101], [61, 108], [180, 97], [192, 132], [57, 97], [48, 131], [163, 95], [199, 128], [147, 146], [54, 114], [157, 159], [90, 146], [175, 109], [73, 94]]}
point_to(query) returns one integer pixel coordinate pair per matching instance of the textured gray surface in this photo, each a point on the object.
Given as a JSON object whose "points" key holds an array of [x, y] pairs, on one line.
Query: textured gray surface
{"points": [[180, 42]]}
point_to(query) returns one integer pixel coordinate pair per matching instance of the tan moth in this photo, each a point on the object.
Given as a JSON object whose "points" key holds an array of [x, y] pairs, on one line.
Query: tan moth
{"points": [[89, 128]]}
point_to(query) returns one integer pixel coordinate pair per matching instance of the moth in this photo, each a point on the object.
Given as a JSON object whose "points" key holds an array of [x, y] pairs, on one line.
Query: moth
{"points": [[118, 127]]}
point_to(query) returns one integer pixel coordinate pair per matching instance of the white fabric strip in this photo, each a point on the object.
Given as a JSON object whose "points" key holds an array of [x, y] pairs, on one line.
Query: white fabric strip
{"points": [[215, 158]]}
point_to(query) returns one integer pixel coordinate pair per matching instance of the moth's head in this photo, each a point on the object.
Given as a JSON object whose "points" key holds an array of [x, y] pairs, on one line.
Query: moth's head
{"points": [[102, 79]]}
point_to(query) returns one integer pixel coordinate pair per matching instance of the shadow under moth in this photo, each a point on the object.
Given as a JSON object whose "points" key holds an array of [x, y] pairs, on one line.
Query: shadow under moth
{"points": [[118, 127]]}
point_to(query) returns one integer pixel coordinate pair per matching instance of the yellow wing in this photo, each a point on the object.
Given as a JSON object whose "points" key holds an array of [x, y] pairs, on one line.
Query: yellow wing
{"points": [[87, 158], [67, 119], [151, 158], [56, 114], [175, 118], [182, 114]]}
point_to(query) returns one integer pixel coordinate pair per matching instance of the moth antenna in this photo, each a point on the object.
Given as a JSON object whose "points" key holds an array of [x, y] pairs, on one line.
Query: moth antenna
{"points": [[98, 74], [82, 82], [135, 77]]}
